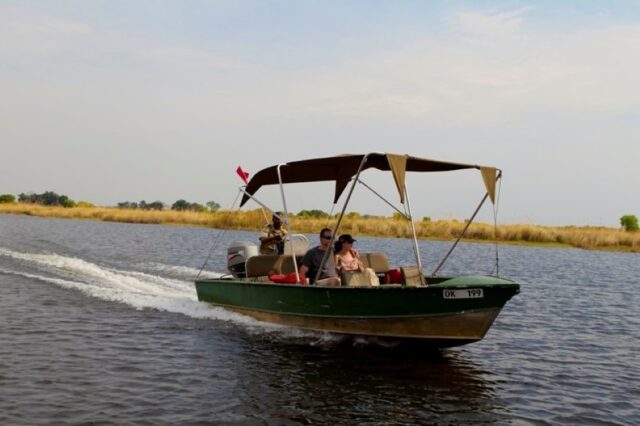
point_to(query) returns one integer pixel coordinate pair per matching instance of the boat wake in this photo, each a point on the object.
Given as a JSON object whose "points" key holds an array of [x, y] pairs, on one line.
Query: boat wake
{"points": [[158, 286], [140, 290]]}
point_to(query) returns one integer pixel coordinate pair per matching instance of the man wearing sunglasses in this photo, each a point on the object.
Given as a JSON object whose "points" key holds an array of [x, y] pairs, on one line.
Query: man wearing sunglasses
{"points": [[313, 259]]}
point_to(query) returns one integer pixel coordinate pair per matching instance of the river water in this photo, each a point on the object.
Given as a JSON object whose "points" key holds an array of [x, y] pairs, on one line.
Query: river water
{"points": [[100, 323]]}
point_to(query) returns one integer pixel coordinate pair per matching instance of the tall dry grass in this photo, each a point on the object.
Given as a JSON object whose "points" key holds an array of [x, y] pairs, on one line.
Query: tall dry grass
{"points": [[581, 237]]}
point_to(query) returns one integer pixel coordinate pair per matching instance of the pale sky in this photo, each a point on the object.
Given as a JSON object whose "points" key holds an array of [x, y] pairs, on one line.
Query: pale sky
{"points": [[111, 101]]}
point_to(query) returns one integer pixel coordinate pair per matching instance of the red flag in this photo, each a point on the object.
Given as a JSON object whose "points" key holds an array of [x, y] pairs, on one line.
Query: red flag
{"points": [[243, 175]]}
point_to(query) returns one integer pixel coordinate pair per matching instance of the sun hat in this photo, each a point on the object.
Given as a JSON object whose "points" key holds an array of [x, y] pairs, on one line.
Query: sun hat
{"points": [[346, 238]]}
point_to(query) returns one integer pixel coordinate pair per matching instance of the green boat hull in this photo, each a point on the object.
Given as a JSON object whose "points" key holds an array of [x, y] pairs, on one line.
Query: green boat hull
{"points": [[448, 312]]}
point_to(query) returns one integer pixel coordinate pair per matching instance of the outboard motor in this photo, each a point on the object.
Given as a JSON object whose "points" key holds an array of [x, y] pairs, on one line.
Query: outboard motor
{"points": [[237, 255]]}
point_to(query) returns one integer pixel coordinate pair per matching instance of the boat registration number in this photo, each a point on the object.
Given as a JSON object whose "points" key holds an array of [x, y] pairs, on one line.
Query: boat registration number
{"points": [[471, 293]]}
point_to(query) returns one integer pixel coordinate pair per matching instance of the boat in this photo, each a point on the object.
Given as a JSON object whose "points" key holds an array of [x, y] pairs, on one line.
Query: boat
{"points": [[409, 303]]}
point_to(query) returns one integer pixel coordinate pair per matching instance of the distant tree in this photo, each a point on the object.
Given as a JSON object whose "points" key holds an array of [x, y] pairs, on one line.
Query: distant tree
{"points": [[197, 207], [313, 213], [629, 222], [399, 216], [184, 205], [7, 198], [426, 219], [143, 205], [66, 202], [85, 204], [180, 205], [213, 206], [353, 215], [128, 205], [156, 205], [48, 198]]}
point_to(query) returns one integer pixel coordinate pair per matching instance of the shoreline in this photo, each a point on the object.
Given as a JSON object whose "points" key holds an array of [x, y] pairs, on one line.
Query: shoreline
{"points": [[586, 237]]}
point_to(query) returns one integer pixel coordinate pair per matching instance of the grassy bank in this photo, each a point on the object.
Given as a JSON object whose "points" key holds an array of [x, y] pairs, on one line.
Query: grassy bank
{"points": [[598, 238]]}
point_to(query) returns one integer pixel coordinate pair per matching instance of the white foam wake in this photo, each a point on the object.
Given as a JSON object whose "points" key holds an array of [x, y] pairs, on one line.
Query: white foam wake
{"points": [[175, 271], [139, 290]]}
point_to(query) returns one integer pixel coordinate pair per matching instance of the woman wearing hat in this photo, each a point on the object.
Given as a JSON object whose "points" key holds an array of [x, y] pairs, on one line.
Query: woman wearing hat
{"points": [[350, 266]]}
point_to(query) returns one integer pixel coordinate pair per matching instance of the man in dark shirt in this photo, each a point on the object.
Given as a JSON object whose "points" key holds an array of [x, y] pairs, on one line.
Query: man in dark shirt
{"points": [[313, 259]]}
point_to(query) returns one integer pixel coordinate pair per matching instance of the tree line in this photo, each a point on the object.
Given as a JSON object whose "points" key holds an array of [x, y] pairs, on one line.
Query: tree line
{"points": [[50, 198], [180, 205]]}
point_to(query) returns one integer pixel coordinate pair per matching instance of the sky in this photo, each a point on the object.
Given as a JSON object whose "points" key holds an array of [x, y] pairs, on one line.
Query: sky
{"points": [[110, 101]]}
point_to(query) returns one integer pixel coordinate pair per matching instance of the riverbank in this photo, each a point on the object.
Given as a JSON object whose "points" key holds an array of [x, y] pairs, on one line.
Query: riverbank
{"points": [[592, 238]]}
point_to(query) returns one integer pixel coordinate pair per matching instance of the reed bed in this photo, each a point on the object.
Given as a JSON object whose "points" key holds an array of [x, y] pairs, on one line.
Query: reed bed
{"points": [[598, 238]]}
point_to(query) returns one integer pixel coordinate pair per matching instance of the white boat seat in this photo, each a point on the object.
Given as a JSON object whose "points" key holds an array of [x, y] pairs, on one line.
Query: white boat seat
{"points": [[263, 264], [287, 267], [412, 276], [297, 242], [376, 261], [266, 264]]}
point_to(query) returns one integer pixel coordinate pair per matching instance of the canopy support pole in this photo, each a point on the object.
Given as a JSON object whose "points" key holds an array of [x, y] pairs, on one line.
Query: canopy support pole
{"points": [[260, 203], [220, 233], [286, 222], [413, 229], [344, 208], [435, 271], [382, 198]]}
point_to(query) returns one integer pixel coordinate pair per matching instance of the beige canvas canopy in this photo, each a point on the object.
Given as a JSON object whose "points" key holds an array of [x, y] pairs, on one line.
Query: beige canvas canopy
{"points": [[343, 168]]}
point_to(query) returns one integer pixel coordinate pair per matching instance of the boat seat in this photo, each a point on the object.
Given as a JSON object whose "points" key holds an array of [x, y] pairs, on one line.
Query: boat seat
{"points": [[263, 264], [287, 264], [266, 264], [412, 276], [376, 261], [297, 243]]}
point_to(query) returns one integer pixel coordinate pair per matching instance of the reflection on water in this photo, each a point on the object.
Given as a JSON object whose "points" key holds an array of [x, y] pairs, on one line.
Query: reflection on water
{"points": [[317, 380], [100, 322]]}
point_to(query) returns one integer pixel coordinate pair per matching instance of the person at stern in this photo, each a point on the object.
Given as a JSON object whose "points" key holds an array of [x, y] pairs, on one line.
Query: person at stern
{"points": [[273, 236]]}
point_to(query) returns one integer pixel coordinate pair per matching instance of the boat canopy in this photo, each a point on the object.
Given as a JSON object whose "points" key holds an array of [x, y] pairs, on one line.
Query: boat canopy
{"points": [[343, 168]]}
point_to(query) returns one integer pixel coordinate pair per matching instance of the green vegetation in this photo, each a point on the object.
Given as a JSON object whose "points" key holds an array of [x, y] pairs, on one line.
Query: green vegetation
{"points": [[180, 205], [313, 213], [183, 205], [48, 198], [629, 222], [142, 205], [7, 198], [213, 206]]}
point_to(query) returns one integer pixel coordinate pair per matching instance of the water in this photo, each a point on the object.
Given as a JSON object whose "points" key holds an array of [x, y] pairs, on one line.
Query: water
{"points": [[100, 323]]}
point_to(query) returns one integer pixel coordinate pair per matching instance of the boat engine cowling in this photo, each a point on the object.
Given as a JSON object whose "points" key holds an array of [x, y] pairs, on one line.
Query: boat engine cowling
{"points": [[237, 255]]}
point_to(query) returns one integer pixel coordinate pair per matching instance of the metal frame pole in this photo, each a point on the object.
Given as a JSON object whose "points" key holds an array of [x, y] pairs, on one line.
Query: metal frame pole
{"points": [[286, 221], [383, 199], [344, 208], [413, 229]]}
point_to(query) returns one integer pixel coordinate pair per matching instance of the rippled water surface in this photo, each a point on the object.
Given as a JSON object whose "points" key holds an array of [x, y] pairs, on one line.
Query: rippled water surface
{"points": [[99, 322]]}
